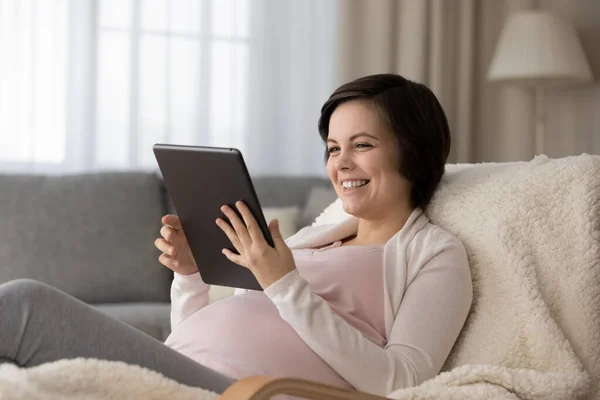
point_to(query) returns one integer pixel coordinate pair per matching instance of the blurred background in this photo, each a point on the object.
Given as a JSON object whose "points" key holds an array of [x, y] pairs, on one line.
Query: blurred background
{"points": [[90, 85]]}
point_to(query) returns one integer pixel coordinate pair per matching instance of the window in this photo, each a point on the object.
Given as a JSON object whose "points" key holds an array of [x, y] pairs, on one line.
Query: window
{"points": [[91, 85], [154, 71], [33, 59], [181, 75]]}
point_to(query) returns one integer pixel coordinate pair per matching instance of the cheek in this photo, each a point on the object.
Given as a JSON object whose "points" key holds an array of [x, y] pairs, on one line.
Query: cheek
{"points": [[330, 169], [331, 175], [389, 180]]}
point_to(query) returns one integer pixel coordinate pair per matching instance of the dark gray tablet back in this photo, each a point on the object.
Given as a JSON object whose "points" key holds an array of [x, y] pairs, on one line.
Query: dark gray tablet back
{"points": [[199, 180]]}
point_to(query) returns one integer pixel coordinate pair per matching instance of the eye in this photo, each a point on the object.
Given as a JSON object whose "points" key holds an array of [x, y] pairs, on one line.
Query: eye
{"points": [[363, 145], [332, 149]]}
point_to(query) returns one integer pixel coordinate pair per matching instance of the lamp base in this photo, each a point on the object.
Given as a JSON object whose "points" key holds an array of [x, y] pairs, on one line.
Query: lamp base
{"points": [[539, 120]]}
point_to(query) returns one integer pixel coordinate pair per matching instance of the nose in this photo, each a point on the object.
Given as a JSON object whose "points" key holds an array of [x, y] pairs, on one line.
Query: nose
{"points": [[344, 161]]}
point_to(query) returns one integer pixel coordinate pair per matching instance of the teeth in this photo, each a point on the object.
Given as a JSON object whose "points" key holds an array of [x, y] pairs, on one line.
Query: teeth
{"points": [[354, 184]]}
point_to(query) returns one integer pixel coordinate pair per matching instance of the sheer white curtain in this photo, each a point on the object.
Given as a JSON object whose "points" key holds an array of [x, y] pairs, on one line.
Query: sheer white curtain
{"points": [[91, 85]]}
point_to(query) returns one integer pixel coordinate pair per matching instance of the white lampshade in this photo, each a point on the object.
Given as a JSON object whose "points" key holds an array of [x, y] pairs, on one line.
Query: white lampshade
{"points": [[539, 48]]}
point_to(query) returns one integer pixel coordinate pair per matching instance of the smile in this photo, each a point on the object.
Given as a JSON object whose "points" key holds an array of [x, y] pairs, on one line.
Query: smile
{"points": [[349, 187]]}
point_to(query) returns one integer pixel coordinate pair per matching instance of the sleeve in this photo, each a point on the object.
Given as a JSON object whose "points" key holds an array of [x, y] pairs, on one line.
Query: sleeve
{"points": [[430, 318], [189, 294]]}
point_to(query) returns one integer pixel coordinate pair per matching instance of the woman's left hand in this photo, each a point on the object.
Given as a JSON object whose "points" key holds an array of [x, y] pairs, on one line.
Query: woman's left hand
{"points": [[268, 264]]}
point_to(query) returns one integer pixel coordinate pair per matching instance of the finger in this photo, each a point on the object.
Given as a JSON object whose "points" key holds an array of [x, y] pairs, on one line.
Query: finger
{"points": [[252, 226], [164, 246], [172, 220], [168, 233], [275, 231], [238, 225], [168, 261], [236, 258], [231, 234], [174, 237]]}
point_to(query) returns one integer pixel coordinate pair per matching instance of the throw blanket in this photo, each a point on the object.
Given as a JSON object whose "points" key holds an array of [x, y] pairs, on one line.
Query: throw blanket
{"points": [[90, 379], [531, 233]]}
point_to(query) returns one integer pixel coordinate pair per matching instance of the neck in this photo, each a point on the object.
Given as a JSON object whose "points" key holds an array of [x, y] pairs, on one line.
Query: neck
{"points": [[381, 230]]}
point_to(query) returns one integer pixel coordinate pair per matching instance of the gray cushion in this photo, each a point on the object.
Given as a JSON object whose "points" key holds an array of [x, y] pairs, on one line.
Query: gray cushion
{"points": [[150, 318], [90, 235], [283, 191], [318, 199], [278, 191]]}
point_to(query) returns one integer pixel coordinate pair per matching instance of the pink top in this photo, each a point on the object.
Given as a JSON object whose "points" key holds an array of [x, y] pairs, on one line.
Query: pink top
{"points": [[245, 335]]}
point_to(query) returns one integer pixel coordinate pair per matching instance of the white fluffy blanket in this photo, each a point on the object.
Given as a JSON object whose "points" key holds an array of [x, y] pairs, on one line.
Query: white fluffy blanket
{"points": [[531, 230], [532, 234], [90, 379]]}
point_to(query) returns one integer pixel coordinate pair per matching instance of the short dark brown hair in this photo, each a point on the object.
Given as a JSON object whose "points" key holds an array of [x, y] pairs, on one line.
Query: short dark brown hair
{"points": [[415, 117]]}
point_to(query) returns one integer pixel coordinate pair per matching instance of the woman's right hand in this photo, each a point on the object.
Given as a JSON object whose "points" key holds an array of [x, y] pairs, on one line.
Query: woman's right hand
{"points": [[176, 255]]}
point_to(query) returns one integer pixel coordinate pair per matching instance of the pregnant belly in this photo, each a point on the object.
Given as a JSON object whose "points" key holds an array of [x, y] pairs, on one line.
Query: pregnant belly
{"points": [[244, 335]]}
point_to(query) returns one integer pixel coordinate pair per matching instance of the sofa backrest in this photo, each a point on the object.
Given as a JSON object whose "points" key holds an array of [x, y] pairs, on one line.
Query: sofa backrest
{"points": [[310, 193], [91, 235]]}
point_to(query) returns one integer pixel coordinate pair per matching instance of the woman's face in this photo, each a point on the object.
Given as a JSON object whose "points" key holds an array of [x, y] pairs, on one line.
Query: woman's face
{"points": [[361, 149]]}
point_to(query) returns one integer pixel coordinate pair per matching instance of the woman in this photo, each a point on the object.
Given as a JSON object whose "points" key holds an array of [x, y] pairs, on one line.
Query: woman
{"points": [[374, 302]]}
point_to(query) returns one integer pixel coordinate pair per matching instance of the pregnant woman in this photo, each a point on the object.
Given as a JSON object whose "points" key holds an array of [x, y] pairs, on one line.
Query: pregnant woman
{"points": [[374, 302]]}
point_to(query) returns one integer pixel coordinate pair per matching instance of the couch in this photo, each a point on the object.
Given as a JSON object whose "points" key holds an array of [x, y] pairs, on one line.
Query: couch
{"points": [[92, 236]]}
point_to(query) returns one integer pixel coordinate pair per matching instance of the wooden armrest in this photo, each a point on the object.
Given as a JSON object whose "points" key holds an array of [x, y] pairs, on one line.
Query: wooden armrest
{"points": [[264, 387]]}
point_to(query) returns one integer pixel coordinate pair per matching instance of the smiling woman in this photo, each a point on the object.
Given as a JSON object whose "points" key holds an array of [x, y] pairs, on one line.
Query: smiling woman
{"points": [[374, 302]]}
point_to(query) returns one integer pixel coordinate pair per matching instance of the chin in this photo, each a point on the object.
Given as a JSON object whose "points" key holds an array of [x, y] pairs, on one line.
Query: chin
{"points": [[352, 209]]}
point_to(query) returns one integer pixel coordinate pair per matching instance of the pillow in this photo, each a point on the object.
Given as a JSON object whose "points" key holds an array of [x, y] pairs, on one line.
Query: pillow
{"points": [[287, 216], [318, 199], [332, 214], [219, 292]]}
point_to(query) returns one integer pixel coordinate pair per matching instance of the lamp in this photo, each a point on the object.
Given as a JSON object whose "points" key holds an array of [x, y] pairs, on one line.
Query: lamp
{"points": [[538, 49]]}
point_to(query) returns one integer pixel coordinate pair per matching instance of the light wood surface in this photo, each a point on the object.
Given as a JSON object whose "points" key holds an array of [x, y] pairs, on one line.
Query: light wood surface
{"points": [[264, 388]]}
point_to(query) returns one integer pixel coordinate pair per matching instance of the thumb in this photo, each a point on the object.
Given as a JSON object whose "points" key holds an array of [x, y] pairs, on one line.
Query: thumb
{"points": [[276, 233]]}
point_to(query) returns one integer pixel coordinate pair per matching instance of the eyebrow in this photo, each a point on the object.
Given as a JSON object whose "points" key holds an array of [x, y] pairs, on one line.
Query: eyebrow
{"points": [[355, 136]]}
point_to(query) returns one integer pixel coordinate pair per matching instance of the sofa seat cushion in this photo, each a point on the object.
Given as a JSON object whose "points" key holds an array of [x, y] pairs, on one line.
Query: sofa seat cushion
{"points": [[150, 318]]}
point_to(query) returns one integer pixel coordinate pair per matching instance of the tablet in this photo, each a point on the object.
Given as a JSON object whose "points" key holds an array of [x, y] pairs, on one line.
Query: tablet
{"points": [[199, 180]]}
